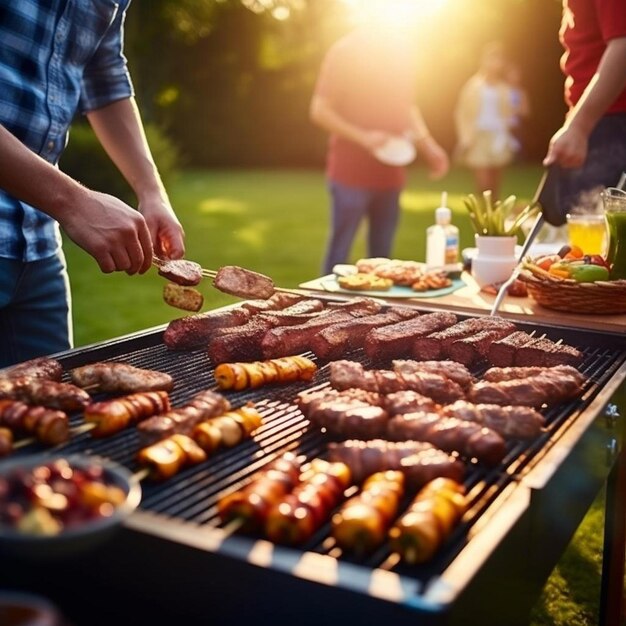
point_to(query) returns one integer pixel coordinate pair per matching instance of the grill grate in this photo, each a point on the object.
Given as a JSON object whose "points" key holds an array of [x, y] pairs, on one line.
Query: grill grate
{"points": [[192, 495]]}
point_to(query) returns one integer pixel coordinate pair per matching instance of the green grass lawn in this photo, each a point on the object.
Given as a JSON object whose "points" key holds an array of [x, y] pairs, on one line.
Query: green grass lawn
{"points": [[276, 222]]}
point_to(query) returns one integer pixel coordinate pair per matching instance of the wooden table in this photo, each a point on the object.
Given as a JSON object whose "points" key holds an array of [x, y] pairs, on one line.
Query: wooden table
{"points": [[471, 300]]}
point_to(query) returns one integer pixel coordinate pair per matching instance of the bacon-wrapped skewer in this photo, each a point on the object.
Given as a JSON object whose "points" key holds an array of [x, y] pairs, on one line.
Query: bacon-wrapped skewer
{"points": [[362, 522], [242, 375], [47, 426], [295, 517], [168, 456], [112, 416], [429, 520], [249, 505]]}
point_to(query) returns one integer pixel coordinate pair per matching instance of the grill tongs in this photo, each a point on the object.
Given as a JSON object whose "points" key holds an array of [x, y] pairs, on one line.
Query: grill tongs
{"points": [[547, 196]]}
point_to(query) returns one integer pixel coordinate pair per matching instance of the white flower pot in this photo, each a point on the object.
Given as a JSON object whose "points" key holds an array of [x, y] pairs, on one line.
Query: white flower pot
{"points": [[495, 259]]}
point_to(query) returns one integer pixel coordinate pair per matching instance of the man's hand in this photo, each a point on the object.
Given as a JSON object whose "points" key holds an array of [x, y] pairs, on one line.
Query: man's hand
{"points": [[567, 148], [373, 139], [168, 237], [113, 233]]}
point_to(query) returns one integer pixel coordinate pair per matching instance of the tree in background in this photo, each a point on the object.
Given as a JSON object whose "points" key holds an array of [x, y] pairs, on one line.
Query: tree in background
{"points": [[230, 80]]}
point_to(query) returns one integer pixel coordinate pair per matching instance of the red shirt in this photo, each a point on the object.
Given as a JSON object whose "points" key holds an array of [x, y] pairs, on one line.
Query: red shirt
{"points": [[586, 27], [370, 83]]}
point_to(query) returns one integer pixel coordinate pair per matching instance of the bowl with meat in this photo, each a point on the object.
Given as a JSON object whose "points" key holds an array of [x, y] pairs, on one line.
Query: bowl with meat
{"points": [[58, 506]]}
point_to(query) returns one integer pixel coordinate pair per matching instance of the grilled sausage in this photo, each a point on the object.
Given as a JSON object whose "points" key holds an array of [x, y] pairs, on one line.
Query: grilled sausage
{"points": [[43, 392], [41, 367], [245, 375], [114, 377]]}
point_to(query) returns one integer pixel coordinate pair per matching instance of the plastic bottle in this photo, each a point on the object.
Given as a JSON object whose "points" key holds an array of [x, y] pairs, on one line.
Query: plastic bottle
{"points": [[442, 238]]}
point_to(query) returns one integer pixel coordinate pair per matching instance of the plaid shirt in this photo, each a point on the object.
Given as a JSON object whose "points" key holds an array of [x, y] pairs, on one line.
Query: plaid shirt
{"points": [[57, 57]]}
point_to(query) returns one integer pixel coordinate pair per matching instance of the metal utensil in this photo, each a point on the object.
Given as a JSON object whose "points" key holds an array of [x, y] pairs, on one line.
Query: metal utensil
{"points": [[547, 196]]}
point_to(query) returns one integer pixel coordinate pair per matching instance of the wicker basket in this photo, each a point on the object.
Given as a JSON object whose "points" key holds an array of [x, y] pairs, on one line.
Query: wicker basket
{"points": [[598, 298]]}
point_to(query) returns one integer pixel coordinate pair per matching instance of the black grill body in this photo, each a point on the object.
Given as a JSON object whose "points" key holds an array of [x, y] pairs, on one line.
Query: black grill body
{"points": [[173, 561]]}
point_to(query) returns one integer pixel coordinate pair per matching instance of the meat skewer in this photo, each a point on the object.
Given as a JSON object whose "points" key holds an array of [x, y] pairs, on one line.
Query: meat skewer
{"points": [[453, 370], [517, 422], [300, 513], [345, 374], [112, 416], [112, 377], [47, 426], [201, 407], [43, 392], [449, 434], [248, 506], [429, 520], [548, 388], [362, 522], [168, 456], [179, 271], [499, 374], [418, 460]]}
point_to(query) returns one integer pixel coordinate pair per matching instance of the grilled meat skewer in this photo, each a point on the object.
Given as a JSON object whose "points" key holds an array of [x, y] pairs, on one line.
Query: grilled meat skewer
{"points": [[451, 369], [345, 374], [418, 460], [243, 283], [6, 441], [112, 416], [48, 426], [517, 422], [499, 374], [180, 271]]}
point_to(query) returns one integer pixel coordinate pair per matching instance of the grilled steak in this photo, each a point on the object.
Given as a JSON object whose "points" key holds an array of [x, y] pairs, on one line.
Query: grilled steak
{"points": [[276, 302], [334, 341], [472, 349], [240, 343], [48, 393], [546, 353], [395, 340], [194, 331], [502, 352], [120, 378], [181, 271], [243, 283], [435, 345], [408, 401]]}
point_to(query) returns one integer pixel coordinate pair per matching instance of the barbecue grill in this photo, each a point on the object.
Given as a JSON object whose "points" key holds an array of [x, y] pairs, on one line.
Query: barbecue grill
{"points": [[173, 563]]}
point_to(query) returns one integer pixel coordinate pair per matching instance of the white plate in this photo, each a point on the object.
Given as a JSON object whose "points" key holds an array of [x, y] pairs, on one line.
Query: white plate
{"points": [[396, 151]]}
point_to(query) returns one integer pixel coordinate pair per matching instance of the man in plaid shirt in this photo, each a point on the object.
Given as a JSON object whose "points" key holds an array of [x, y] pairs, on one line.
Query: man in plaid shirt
{"points": [[59, 58]]}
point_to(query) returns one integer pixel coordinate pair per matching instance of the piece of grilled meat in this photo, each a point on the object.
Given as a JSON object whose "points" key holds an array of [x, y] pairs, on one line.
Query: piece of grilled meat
{"points": [[180, 271], [113, 377], [42, 392], [243, 283], [41, 367]]}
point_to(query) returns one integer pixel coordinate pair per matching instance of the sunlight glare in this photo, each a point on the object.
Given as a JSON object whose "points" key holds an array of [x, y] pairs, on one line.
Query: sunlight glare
{"points": [[394, 11]]}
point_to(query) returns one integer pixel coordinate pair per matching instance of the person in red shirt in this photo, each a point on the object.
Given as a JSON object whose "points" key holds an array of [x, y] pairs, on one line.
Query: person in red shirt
{"points": [[365, 94], [591, 144]]}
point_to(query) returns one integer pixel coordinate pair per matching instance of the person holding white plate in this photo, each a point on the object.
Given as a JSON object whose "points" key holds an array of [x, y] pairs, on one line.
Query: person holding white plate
{"points": [[365, 99]]}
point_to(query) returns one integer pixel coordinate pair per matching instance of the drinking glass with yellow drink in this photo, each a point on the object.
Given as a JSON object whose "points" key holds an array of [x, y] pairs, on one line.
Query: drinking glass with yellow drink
{"points": [[614, 200], [588, 231]]}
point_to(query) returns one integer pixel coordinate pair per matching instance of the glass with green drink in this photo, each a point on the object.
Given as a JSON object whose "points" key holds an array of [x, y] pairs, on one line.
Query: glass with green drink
{"points": [[614, 200]]}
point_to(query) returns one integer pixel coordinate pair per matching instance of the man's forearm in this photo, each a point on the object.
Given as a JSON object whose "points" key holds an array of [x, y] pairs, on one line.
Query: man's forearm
{"points": [[119, 129], [33, 180], [608, 82], [328, 119]]}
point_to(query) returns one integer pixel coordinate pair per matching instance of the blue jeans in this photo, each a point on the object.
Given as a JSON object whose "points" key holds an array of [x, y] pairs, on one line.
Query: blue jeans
{"points": [[35, 309], [606, 160], [350, 206]]}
